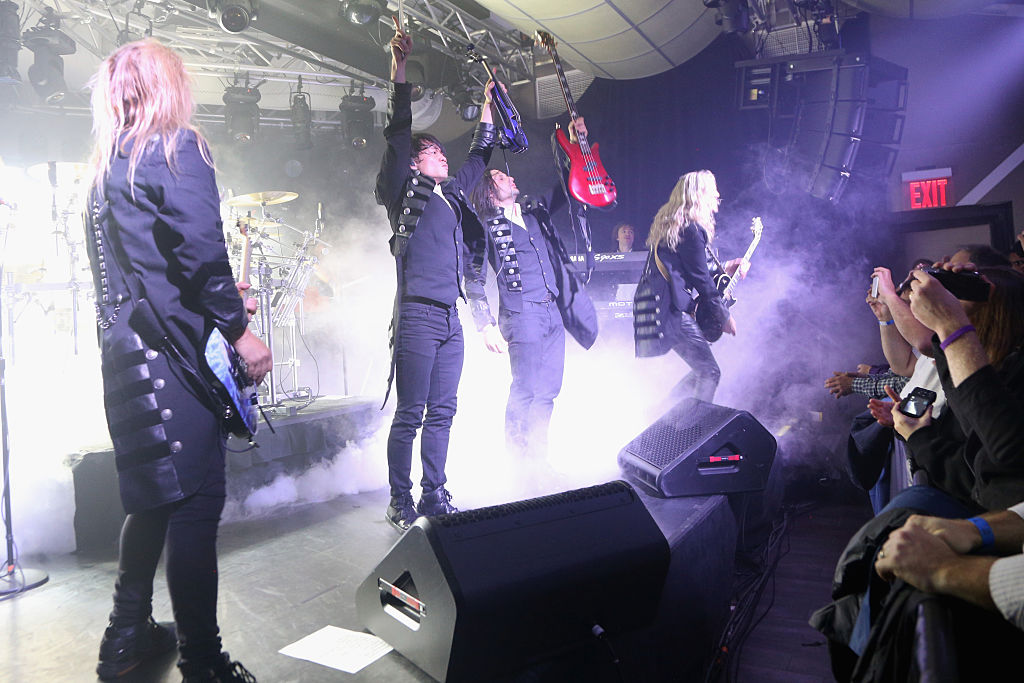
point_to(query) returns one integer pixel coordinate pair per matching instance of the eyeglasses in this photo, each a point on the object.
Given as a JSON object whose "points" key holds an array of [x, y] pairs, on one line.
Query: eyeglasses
{"points": [[431, 151]]}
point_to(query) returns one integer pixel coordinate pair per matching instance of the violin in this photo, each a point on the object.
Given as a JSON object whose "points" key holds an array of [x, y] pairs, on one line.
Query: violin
{"points": [[510, 127]]}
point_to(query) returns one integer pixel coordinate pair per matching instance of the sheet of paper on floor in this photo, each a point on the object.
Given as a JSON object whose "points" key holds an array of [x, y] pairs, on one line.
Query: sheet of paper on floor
{"points": [[338, 648]]}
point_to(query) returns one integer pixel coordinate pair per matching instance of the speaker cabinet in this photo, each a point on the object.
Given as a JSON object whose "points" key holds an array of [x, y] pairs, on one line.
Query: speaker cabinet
{"points": [[839, 114], [700, 449], [483, 594]]}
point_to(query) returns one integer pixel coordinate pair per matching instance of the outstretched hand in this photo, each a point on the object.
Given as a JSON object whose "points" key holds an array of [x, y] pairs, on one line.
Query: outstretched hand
{"points": [[401, 48]]}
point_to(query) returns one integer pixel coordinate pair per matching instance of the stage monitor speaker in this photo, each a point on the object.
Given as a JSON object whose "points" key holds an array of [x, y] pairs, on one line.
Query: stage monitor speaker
{"points": [[483, 594], [700, 449]]}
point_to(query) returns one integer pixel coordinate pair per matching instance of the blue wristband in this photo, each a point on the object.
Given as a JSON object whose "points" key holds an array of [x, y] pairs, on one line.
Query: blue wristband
{"points": [[988, 539], [884, 323]]}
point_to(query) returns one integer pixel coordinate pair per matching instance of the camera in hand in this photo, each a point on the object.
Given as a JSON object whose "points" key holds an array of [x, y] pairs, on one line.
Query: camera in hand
{"points": [[965, 285], [917, 402]]}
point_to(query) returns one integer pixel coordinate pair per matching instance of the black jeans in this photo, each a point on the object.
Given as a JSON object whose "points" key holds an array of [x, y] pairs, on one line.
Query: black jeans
{"points": [[189, 529], [692, 347], [429, 351], [536, 348]]}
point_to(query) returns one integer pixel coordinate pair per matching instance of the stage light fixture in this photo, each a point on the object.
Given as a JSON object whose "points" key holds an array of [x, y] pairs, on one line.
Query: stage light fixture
{"points": [[10, 43], [242, 111], [363, 12], [234, 16], [358, 113], [48, 44], [302, 119], [467, 102]]}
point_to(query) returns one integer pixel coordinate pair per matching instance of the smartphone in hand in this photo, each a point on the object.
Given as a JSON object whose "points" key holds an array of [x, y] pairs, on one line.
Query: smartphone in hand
{"points": [[916, 402]]}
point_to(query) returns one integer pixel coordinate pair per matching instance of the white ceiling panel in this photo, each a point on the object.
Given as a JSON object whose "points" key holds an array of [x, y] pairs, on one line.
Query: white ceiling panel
{"points": [[616, 38]]}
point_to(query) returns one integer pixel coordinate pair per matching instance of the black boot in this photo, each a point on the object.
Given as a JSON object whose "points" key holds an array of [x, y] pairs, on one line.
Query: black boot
{"points": [[223, 670], [123, 649], [437, 502]]}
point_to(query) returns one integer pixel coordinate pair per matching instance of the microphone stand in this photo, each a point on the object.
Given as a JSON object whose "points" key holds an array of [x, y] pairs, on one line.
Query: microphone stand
{"points": [[13, 578]]}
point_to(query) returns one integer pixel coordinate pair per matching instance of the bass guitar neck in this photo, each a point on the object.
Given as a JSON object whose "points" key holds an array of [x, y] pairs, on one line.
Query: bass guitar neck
{"points": [[589, 182]]}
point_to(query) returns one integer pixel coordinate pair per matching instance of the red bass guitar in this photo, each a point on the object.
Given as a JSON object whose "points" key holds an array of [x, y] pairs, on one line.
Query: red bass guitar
{"points": [[588, 181]]}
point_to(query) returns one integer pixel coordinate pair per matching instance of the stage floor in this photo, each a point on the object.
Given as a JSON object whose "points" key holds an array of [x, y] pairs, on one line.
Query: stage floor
{"points": [[289, 575]]}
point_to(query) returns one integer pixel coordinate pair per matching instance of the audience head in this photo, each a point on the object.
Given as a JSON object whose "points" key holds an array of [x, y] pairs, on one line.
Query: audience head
{"points": [[980, 255], [1000, 320]]}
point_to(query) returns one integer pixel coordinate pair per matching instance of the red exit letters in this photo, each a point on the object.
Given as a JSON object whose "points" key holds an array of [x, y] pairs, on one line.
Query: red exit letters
{"points": [[928, 194]]}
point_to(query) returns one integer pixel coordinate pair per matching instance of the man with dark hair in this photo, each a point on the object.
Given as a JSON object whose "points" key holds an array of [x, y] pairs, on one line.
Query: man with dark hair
{"points": [[539, 298], [428, 212]]}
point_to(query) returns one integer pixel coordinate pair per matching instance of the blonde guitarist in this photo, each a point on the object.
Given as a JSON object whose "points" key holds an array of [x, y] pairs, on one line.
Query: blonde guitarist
{"points": [[677, 273]]}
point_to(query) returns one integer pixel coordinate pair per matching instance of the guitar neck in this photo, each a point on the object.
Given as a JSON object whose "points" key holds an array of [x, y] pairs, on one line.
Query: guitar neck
{"points": [[243, 270], [746, 257], [567, 94]]}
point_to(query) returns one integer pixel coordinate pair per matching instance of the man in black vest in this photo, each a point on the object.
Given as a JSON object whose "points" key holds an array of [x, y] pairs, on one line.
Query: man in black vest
{"points": [[539, 299], [427, 210]]}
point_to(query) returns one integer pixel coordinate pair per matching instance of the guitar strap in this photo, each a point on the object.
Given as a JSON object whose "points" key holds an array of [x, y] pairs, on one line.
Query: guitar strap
{"points": [[143, 319], [661, 265]]}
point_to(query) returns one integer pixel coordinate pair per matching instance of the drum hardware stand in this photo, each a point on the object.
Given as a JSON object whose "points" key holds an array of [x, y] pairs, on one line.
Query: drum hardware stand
{"points": [[13, 579]]}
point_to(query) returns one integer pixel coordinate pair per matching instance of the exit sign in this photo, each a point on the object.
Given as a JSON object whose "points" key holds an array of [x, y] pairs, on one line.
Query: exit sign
{"points": [[928, 189]]}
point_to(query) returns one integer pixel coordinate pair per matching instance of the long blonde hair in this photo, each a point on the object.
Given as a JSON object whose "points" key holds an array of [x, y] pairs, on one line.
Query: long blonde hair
{"points": [[140, 94], [694, 199]]}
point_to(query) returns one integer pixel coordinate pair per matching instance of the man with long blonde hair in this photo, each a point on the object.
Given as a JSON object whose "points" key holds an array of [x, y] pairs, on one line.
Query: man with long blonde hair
{"points": [[680, 265], [163, 281]]}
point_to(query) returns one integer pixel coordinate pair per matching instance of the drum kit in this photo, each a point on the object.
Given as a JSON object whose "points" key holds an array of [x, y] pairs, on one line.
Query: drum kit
{"points": [[282, 258], [45, 270]]}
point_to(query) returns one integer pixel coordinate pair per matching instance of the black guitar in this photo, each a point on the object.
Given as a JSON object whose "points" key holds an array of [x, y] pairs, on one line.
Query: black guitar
{"points": [[709, 325], [510, 127]]}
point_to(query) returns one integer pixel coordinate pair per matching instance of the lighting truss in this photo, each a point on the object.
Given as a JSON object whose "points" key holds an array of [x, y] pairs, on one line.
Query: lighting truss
{"points": [[209, 52]]}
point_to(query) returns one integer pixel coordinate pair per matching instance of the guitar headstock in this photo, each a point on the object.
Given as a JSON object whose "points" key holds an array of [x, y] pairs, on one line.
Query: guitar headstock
{"points": [[756, 226], [545, 39], [473, 55]]}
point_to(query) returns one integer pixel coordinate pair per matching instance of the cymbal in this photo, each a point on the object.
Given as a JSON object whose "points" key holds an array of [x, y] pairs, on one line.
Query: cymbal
{"points": [[66, 173], [262, 198]]}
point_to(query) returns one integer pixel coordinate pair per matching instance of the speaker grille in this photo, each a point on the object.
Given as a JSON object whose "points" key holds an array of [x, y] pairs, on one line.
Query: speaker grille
{"points": [[614, 488], [679, 430]]}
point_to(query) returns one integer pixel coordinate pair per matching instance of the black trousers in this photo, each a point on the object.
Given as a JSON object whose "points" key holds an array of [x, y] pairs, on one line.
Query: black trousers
{"points": [[429, 351], [702, 380], [188, 529]]}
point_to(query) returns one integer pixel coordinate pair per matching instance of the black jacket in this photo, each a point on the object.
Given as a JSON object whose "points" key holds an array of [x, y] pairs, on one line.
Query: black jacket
{"points": [[578, 314], [656, 327], [975, 450], [428, 244]]}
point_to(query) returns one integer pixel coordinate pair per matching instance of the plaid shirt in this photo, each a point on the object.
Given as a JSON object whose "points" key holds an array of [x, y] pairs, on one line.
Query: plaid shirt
{"points": [[874, 385]]}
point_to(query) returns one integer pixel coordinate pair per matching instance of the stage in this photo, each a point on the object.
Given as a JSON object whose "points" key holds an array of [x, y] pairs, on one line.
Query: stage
{"points": [[296, 570]]}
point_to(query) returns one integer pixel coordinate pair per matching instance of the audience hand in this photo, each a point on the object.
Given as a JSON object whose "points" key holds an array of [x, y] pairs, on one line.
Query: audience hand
{"points": [[841, 383], [863, 369], [730, 326], [886, 288], [914, 554], [904, 424], [881, 411], [934, 306], [959, 534]]}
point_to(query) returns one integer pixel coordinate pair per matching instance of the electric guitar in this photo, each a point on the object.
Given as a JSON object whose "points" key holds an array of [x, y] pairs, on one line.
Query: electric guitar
{"points": [[588, 181], [510, 127], [726, 285], [225, 370]]}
